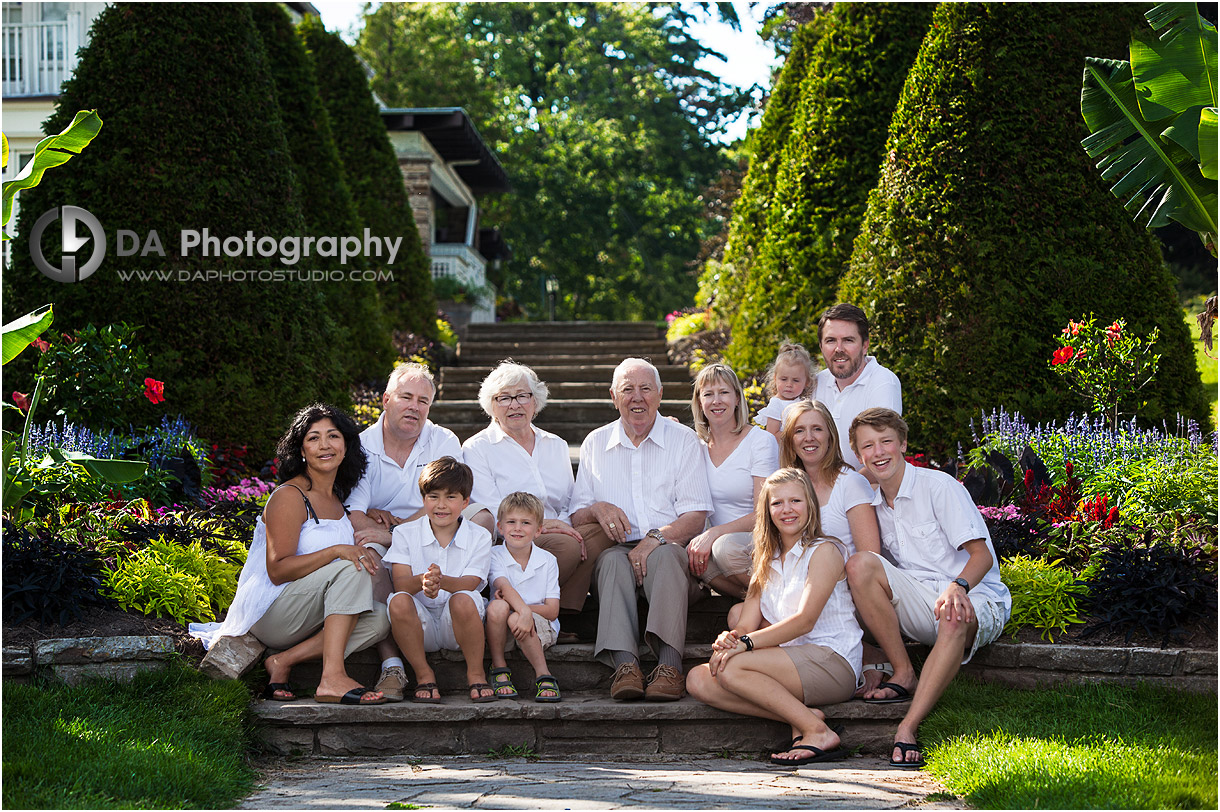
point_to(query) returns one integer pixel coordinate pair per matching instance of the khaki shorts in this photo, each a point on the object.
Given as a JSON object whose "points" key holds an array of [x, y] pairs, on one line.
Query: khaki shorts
{"points": [[914, 601], [826, 677], [542, 628], [336, 588], [732, 554], [437, 623]]}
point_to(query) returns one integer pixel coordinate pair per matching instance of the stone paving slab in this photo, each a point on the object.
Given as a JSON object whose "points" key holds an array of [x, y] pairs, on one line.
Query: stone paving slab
{"points": [[466, 782]]}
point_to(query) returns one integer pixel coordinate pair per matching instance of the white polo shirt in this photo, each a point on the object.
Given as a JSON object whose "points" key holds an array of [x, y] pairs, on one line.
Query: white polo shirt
{"points": [[536, 582], [876, 387], [386, 486], [468, 554], [653, 484], [923, 533], [732, 483], [501, 466]]}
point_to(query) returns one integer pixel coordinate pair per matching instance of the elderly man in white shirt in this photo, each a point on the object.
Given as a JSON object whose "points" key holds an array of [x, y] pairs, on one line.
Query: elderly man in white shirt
{"points": [[642, 484], [399, 445], [852, 380]]}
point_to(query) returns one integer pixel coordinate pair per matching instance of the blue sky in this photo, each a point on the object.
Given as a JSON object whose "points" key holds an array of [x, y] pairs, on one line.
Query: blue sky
{"points": [[748, 58]]}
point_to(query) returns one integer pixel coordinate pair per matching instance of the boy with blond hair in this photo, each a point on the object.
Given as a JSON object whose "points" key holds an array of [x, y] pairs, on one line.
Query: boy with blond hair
{"points": [[525, 607], [440, 564]]}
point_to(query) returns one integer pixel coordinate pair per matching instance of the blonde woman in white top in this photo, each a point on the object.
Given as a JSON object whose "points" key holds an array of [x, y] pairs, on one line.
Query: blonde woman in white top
{"points": [[795, 641], [737, 458]]}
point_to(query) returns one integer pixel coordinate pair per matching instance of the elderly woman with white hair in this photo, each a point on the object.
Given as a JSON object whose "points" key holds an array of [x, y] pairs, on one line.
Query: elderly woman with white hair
{"points": [[512, 454]]}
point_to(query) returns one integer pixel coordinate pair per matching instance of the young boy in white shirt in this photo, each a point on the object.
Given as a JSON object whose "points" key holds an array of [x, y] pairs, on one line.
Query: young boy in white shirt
{"points": [[440, 565], [936, 582], [525, 606]]}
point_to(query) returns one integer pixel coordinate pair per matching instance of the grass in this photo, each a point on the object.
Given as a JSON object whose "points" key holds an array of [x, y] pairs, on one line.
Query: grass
{"points": [[1207, 366], [172, 739], [1075, 747], [523, 750]]}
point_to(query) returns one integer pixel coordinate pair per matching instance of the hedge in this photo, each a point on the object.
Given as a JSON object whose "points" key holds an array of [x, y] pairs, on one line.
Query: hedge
{"points": [[192, 139], [373, 175], [826, 167], [989, 227]]}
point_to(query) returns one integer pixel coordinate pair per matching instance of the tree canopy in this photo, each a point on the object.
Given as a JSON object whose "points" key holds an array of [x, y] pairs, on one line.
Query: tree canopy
{"points": [[600, 118]]}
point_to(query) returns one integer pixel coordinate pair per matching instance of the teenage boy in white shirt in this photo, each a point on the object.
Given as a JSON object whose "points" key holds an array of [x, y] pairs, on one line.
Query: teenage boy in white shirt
{"points": [[440, 564], [936, 582], [525, 607]]}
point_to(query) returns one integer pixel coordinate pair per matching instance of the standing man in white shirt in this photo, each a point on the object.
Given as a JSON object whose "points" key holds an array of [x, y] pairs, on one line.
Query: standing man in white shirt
{"points": [[641, 483], [399, 445], [937, 580], [852, 380]]}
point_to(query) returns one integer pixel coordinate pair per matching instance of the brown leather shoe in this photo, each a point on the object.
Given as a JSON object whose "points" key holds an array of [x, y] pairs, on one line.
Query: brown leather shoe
{"points": [[628, 682], [665, 684]]}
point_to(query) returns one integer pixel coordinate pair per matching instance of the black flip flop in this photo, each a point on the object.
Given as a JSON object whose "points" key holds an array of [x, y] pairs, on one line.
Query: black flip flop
{"points": [[817, 755], [907, 747], [784, 747], [478, 688], [353, 697], [272, 687], [902, 695]]}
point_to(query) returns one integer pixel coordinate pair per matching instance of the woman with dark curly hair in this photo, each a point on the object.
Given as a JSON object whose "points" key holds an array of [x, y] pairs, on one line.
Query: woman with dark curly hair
{"points": [[306, 587]]}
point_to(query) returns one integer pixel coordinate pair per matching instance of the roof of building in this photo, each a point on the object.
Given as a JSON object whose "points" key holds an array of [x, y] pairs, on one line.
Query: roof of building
{"points": [[453, 135]]}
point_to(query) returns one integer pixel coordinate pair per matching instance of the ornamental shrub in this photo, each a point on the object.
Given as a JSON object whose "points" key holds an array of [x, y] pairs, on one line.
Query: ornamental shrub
{"points": [[192, 140], [48, 579], [1044, 595], [826, 167], [166, 579], [989, 228], [373, 176], [361, 328]]}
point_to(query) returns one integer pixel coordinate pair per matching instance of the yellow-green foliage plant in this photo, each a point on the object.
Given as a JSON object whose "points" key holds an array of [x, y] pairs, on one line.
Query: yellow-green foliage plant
{"points": [[1043, 595], [185, 582]]}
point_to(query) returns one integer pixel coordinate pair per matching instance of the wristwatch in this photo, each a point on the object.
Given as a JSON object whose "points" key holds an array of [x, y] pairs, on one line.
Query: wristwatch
{"points": [[656, 534], [963, 583], [745, 638]]}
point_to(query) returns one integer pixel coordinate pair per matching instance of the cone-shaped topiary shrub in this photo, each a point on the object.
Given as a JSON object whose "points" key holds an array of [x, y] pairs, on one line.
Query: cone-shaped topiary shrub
{"points": [[362, 330], [373, 176], [827, 166], [989, 229], [192, 139]]}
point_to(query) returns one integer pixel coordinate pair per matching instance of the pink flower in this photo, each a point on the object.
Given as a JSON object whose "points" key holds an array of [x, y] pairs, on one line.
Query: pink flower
{"points": [[42, 345], [22, 401]]}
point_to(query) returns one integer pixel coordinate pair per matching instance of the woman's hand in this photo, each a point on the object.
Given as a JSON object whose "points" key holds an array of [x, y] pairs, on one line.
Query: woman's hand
{"points": [[365, 560], [726, 640], [721, 657], [557, 526], [699, 551]]}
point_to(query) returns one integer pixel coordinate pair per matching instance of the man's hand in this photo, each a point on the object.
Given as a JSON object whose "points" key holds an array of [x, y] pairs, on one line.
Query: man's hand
{"points": [[374, 535], [639, 558], [384, 518], [613, 521], [954, 604]]}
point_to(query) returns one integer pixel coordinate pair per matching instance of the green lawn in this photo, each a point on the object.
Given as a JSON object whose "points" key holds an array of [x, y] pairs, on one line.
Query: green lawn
{"points": [[1075, 747], [170, 740], [1207, 366]]}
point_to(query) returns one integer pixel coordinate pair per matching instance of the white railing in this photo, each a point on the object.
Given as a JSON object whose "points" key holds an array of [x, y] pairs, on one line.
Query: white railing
{"points": [[39, 57], [466, 265]]}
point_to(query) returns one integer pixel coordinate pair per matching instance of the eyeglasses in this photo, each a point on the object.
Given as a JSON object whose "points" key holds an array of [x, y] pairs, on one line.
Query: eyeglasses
{"points": [[523, 398]]}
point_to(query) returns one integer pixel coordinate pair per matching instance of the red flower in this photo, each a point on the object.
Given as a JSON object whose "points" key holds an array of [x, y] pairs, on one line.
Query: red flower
{"points": [[22, 401], [42, 346], [1062, 355], [154, 390]]}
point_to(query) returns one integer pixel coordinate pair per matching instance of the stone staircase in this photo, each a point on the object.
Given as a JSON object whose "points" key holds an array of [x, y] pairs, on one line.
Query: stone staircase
{"points": [[575, 359]]}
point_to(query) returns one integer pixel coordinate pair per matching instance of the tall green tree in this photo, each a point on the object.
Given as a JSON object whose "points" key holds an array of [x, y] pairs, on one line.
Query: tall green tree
{"points": [[193, 140], [602, 122], [989, 228], [371, 170], [823, 175]]}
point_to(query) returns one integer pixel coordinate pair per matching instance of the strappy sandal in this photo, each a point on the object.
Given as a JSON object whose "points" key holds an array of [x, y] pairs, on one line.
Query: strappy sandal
{"points": [[546, 683], [502, 680], [477, 689], [427, 688], [279, 687]]}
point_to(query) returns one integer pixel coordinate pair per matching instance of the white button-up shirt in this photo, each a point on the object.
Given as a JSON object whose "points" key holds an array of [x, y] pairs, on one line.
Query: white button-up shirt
{"points": [[385, 485], [876, 387], [653, 483], [536, 582], [923, 533], [501, 466], [468, 554]]}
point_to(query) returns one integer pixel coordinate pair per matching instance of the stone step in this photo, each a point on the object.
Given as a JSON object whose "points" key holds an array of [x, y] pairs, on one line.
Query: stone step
{"points": [[595, 412], [503, 349], [583, 723], [557, 354], [554, 372], [565, 331], [557, 391]]}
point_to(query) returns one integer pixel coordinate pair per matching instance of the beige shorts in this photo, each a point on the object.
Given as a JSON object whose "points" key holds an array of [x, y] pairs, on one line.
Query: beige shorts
{"points": [[826, 677], [542, 628], [437, 623], [732, 554], [336, 588], [914, 601]]}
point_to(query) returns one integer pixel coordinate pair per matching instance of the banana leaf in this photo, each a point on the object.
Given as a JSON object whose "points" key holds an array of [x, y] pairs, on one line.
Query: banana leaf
{"points": [[20, 333], [53, 150], [113, 471]]}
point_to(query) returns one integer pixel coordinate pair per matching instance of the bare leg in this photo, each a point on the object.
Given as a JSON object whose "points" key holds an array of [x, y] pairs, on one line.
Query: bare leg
{"points": [[531, 647], [872, 677], [952, 639], [498, 612], [335, 681], [408, 632], [468, 631], [870, 590]]}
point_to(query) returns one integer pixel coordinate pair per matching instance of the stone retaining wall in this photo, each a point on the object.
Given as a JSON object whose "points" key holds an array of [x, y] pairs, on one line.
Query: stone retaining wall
{"points": [[1028, 665], [73, 659]]}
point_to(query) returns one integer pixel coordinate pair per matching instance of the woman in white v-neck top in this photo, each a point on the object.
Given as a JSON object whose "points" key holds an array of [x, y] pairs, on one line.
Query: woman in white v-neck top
{"points": [[795, 642], [737, 458]]}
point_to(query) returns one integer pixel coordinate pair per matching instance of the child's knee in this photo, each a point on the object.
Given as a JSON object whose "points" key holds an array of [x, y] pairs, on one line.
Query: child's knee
{"points": [[498, 611], [462, 606], [402, 608]]}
